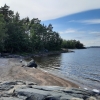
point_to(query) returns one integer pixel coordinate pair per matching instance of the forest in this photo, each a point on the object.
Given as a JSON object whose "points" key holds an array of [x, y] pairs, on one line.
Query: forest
{"points": [[29, 35]]}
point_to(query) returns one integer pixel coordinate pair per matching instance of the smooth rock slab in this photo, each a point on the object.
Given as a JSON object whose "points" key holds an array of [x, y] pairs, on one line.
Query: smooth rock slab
{"points": [[56, 93], [20, 90]]}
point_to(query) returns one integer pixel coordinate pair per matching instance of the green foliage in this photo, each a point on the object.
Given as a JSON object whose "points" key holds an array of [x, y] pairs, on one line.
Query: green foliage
{"points": [[2, 32], [8, 14], [25, 35], [17, 39], [72, 44]]}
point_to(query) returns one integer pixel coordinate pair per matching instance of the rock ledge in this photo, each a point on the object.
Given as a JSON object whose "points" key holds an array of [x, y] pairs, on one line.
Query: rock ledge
{"points": [[20, 90]]}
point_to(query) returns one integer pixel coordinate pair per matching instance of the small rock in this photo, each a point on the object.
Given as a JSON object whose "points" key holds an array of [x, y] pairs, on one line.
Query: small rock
{"points": [[10, 83], [31, 83], [5, 87], [91, 98], [95, 90], [76, 99], [20, 82]]}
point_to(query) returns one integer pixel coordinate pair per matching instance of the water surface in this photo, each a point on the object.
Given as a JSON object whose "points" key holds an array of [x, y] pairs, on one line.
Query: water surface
{"points": [[82, 66]]}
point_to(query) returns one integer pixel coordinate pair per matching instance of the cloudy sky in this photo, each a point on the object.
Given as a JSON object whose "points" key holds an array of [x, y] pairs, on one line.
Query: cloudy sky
{"points": [[73, 19]]}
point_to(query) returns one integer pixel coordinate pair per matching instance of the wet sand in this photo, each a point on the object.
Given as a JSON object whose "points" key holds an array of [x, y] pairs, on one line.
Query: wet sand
{"points": [[12, 70]]}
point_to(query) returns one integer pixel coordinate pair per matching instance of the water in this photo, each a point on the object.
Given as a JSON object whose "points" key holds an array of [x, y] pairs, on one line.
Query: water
{"points": [[83, 66]]}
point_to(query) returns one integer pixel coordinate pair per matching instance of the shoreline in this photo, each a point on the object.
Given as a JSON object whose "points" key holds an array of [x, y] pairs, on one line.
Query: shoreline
{"points": [[14, 71], [36, 54], [58, 74], [79, 85], [24, 83]]}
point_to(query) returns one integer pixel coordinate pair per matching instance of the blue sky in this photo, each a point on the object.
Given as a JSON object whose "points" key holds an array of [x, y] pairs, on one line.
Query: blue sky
{"points": [[83, 26], [72, 19]]}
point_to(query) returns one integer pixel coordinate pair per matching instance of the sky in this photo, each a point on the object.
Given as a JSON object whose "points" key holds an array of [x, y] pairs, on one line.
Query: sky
{"points": [[72, 19]]}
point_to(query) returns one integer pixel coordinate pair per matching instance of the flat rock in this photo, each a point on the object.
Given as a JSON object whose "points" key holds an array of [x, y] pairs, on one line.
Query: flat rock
{"points": [[20, 90], [57, 92]]}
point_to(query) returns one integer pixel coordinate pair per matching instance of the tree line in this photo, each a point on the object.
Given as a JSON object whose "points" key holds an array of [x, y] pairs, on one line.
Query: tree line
{"points": [[25, 35], [72, 44]]}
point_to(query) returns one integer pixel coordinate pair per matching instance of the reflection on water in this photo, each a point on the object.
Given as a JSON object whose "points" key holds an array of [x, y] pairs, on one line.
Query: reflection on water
{"points": [[49, 61], [82, 66]]}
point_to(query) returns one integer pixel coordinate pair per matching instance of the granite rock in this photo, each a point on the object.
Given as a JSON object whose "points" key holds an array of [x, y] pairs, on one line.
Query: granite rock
{"points": [[20, 90]]}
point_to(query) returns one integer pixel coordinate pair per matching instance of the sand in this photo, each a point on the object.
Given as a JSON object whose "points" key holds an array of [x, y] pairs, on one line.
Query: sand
{"points": [[13, 71]]}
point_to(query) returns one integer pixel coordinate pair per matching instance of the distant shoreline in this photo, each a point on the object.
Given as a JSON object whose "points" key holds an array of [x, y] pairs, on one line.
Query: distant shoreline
{"points": [[37, 54]]}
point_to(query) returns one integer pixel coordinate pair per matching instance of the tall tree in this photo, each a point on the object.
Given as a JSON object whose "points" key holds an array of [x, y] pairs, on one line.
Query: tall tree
{"points": [[2, 33], [8, 14], [25, 35]]}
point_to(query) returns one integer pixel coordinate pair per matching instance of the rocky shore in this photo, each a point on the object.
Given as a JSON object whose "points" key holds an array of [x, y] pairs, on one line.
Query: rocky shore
{"points": [[23, 83], [21, 90], [11, 69], [36, 54]]}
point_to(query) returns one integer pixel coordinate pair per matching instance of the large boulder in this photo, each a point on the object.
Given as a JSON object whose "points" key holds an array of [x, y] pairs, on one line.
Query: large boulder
{"points": [[32, 64], [29, 64]]}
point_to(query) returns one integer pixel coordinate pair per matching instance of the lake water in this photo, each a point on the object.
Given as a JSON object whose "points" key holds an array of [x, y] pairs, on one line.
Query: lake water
{"points": [[81, 66]]}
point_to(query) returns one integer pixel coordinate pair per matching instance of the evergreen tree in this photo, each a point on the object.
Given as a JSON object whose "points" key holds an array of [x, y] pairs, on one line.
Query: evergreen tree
{"points": [[25, 35], [2, 33]]}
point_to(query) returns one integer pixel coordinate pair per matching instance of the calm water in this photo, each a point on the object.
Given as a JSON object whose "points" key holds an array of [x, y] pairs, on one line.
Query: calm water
{"points": [[82, 66]]}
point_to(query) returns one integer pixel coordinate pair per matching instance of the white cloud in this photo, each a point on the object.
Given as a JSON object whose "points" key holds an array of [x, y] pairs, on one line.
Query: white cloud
{"points": [[90, 42], [91, 21], [50, 9], [70, 30], [95, 32], [88, 38]]}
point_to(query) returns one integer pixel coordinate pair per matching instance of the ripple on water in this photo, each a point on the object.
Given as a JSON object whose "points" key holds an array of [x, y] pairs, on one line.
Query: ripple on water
{"points": [[82, 66]]}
